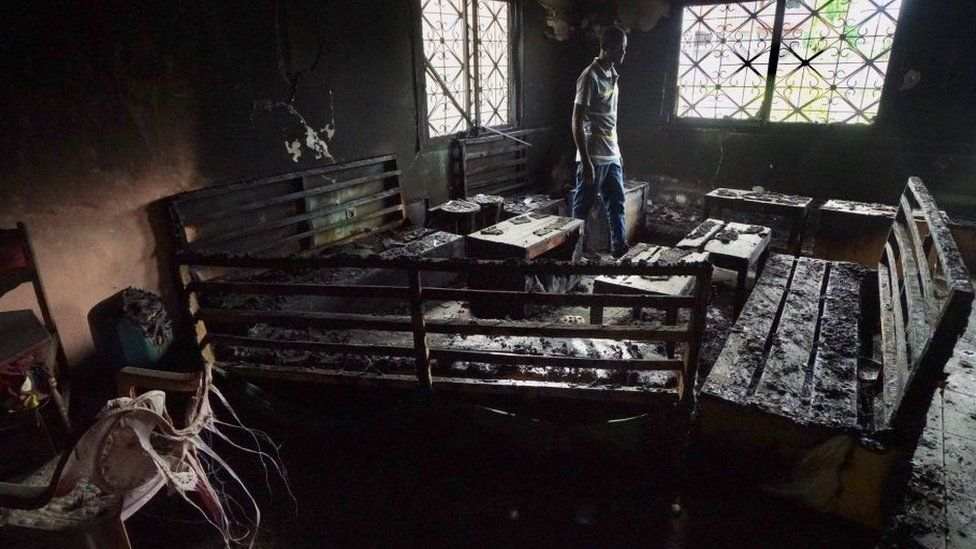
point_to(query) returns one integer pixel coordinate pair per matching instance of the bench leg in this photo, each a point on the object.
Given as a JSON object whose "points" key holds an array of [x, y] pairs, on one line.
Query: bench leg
{"points": [[670, 319]]}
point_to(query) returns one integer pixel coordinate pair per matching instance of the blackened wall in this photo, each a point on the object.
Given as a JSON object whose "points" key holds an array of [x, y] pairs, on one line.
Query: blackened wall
{"points": [[925, 131], [110, 107]]}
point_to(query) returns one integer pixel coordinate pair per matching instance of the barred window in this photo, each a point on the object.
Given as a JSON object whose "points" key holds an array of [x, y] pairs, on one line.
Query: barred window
{"points": [[467, 64], [808, 61]]}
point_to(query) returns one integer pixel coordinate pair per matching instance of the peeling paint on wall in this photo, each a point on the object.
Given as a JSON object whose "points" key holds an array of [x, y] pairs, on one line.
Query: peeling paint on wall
{"points": [[316, 140], [294, 148]]}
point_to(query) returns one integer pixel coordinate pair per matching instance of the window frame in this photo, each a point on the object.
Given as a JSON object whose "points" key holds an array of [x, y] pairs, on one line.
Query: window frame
{"points": [[425, 141], [763, 121]]}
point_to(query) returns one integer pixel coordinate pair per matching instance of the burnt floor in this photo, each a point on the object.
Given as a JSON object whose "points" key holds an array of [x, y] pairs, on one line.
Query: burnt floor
{"points": [[377, 471], [398, 472]]}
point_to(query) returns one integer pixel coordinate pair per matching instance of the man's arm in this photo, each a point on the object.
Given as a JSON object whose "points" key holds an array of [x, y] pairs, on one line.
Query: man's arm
{"points": [[579, 112]]}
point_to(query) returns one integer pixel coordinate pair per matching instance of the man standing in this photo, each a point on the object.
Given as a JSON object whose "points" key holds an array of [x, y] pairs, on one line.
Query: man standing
{"points": [[595, 134]]}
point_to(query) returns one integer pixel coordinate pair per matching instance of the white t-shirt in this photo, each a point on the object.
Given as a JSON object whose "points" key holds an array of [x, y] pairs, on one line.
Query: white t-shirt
{"points": [[596, 90]]}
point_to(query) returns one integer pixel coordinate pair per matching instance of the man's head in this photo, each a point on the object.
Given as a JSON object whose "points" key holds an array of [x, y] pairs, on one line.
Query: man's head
{"points": [[613, 44]]}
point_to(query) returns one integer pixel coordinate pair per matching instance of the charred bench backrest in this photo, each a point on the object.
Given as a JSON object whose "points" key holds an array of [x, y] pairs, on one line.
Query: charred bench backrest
{"points": [[493, 164], [242, 334], [291, 212], [925, 295]]}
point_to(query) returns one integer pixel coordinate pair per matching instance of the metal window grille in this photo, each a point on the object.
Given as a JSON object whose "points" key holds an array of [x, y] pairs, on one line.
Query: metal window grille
{"points": [[467, 44], [813, 61]]}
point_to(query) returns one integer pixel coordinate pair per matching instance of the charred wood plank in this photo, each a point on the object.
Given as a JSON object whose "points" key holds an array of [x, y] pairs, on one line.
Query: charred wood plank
{"points": [[740, 361], [834, 396], [782, 385]]}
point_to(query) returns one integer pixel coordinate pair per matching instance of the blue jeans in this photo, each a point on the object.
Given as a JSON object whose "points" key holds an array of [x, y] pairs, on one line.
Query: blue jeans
{"points": [[608, 180]]}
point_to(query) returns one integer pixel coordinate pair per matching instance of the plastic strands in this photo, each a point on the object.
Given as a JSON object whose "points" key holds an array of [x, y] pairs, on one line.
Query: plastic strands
{"points": [[134, 449]]}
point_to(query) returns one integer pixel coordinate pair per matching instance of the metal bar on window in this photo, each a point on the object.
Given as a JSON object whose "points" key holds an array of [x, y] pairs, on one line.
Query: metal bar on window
{"points": [[476, 61], [773, 60]]}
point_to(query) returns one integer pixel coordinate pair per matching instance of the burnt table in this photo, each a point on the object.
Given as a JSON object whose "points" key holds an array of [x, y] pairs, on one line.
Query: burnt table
{"points": [[735, 246], [792, 207], [525, 237]]}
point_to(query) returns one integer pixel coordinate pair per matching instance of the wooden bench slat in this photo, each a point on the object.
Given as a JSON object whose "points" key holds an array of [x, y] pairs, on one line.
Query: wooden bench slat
{"points": [[895, 367], [324, 228], [891, 378], [495, 166], [285, 198], [740, 360], [917, 325], [782, 385], [303, 345], [283, 222], [209, 192], [475, 183], [497, 357], [834, 395], [523, 388], [918, 248], [953, 267], [493, 152], [507, 188]]}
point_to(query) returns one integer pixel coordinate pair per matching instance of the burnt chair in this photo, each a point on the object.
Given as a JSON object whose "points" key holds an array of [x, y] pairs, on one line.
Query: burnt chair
{"points": [[24, 340]]}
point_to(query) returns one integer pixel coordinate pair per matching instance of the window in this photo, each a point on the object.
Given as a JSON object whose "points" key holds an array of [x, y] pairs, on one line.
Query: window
{"points": [[467, 50], [819, 61]]}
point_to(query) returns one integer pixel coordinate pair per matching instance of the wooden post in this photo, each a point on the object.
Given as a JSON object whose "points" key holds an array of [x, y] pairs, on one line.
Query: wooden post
{"points": [[419, 327], [192, 306], [699, 315]]}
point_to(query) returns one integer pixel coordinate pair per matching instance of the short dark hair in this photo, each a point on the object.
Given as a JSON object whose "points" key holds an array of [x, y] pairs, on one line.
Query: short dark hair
{"points": [[612, 36]]}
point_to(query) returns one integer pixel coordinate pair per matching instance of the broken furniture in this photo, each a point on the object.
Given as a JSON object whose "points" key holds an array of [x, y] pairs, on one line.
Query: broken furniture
{"points": [[794, 208], [485, 359], [828, 371], [132, 451], [455, 216], [293, 212], [506, 166], [131, 328], [525, 238], [661, 285], [852, 231], [734, 246], [491, 209], [354, 207], [32, 359]]}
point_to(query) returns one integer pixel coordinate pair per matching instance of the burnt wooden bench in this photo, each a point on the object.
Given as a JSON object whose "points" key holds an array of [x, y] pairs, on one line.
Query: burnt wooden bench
{"points": [[292, 212], [826, 373], [734, 246], [309, 212], [492, 167], [420, 350], [795, 209]]}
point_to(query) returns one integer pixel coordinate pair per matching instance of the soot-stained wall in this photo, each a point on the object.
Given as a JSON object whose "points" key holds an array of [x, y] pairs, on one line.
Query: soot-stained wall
{"points": [[926, 130], [110, 107]]}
